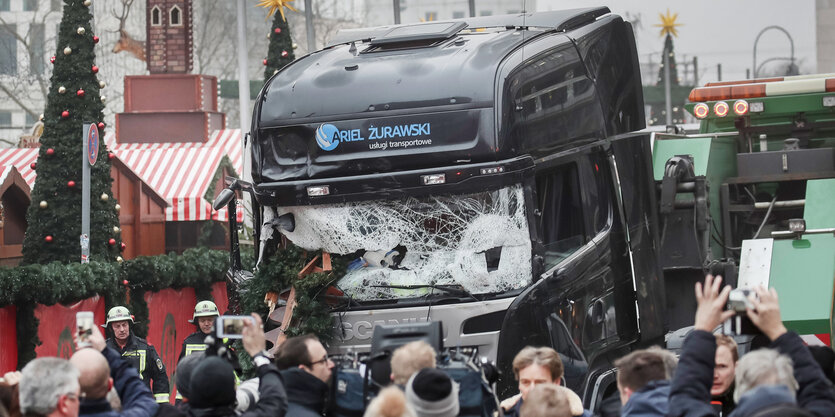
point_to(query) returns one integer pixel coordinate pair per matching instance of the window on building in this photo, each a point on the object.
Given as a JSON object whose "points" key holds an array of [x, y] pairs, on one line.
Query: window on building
{"points": [[5, 5], [8, 50], [486, 13], [156, 16], [37, 48], [561, 222], [5, 118], [30, 119], [457, 15], [431, 16], [175, 17], [30, 5]]}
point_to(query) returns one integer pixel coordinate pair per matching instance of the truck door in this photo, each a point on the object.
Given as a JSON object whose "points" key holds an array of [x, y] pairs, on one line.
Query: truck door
{"points": [[630, 159], [583, 304]]}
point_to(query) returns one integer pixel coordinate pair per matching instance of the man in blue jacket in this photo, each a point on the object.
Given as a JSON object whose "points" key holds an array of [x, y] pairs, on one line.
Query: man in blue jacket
{"points": [[643, 384], [762, 388], [102, 368]]}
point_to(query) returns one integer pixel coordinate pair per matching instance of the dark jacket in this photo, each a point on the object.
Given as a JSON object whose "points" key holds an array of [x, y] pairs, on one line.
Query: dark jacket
{"points": [[727, 400], [690, 393], [272, 399], [193, 343], [137, 400], [306, 394], [651, 400], [142, 356]]}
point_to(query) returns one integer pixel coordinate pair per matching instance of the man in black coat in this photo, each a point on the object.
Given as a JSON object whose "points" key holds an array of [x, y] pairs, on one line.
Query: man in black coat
{"points": [[306, 370], [690, 392], [137, 352]]}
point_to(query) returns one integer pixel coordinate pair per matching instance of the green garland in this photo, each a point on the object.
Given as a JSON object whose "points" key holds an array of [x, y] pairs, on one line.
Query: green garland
{"points": [[26, 286], [279, 273]]}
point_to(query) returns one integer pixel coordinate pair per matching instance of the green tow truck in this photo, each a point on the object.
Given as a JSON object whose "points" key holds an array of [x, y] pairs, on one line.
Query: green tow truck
{"points": [[753, 192]]}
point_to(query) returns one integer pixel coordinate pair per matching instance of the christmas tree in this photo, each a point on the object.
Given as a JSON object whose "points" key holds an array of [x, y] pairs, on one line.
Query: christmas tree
{"points": [[54, 217], [280, 50], [658, 112]]}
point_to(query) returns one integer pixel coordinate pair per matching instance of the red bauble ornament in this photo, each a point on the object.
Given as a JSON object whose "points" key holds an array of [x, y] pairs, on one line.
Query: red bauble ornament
{"points": [[71, 183], [95, 69], [110, 155], [80, 93], [33, 165], [284, 54], [122, 246], [265, 62], [101, 126], [95, 39], [277, 30], [48, 239], [65, 114], [52, 60], [111, 241], [125, 282], [50, 151]]}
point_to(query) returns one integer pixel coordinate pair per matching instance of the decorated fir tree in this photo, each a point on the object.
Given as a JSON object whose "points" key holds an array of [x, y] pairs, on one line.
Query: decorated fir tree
{"points": [[54, 217], [280, 50], [658, 112]]}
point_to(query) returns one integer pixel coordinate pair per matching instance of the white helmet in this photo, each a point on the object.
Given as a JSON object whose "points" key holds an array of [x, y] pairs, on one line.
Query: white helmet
{"points": [[118, 313], [204, 309]]}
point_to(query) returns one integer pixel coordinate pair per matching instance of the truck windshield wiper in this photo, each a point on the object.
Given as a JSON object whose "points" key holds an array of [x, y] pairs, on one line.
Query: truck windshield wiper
{"points": [[455, 290]]}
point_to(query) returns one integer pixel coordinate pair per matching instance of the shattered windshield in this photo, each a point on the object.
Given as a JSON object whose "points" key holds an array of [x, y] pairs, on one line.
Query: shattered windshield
{"points": [[477, 242]]}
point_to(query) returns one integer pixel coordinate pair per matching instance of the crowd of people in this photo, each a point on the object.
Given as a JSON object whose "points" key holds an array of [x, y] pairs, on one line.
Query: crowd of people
{"points": [[124, 377]]}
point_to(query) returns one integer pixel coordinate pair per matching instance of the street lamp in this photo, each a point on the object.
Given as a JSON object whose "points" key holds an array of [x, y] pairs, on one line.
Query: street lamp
{"points": [[791, 42]]}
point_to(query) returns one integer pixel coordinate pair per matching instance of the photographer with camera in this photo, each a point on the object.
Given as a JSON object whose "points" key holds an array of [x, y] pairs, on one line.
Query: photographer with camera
{"points": [[212, 382], [102, 368], [766, 383]]}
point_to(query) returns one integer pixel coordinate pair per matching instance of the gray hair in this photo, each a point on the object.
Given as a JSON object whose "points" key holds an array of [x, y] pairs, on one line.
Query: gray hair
{"points": [[43, 382], [764, 367]]}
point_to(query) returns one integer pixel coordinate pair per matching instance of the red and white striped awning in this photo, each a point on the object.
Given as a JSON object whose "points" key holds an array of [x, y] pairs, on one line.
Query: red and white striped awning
{"points": [[183, 172], [21, 159], [180, 172]]}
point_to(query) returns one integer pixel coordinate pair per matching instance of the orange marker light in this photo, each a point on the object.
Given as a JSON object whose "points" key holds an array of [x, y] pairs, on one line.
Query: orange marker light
{"points": [[701, 110], [721, 109], [741, 107]]}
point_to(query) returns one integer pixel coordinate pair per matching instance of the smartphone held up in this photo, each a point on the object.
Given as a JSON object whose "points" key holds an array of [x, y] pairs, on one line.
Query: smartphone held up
{"points": [[232, 327], [84, 327]]}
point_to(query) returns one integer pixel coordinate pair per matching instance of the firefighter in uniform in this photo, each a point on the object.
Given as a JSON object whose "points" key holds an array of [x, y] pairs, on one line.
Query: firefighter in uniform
{"points": [[205, 315], [136, 351]]}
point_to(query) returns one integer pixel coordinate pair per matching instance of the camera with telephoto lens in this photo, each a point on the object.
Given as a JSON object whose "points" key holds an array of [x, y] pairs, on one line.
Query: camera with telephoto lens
{"points": [[739, 301]]}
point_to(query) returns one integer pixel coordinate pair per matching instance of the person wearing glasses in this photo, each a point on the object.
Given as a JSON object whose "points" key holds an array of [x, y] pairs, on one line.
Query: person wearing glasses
{"points": [[306, 370], [49, 388]]}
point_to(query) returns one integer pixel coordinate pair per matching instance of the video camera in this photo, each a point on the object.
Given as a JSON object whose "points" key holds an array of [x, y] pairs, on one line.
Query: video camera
{"points": [[359, 377]]}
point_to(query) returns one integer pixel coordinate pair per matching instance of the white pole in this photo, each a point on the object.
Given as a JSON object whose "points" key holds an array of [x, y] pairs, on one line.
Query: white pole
{"points": [[85, 197], [667, 86], [243, 87]]}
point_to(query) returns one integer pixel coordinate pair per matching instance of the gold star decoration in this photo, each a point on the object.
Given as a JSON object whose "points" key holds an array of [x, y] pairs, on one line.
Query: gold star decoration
{"points": [[276, 4], [668, 24]]}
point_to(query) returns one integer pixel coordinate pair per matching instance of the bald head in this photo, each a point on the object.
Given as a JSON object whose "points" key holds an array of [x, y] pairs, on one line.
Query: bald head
{"points": [[94, 373]]}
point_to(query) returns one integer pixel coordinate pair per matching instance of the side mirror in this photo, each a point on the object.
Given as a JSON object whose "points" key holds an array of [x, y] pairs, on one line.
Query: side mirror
{"points": [[286, 222], [226, 195]]}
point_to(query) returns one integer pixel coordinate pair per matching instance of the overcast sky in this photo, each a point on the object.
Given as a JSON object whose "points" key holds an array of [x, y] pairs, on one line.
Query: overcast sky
{"points": [[718, 31]]}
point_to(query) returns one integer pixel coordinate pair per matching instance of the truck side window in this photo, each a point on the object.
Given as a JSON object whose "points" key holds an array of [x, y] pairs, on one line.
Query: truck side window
{"points": [[561, 222], [597, 192]]}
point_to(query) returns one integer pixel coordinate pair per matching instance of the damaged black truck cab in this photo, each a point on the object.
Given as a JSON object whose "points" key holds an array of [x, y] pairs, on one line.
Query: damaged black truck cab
{"points": [[486, 173]]}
